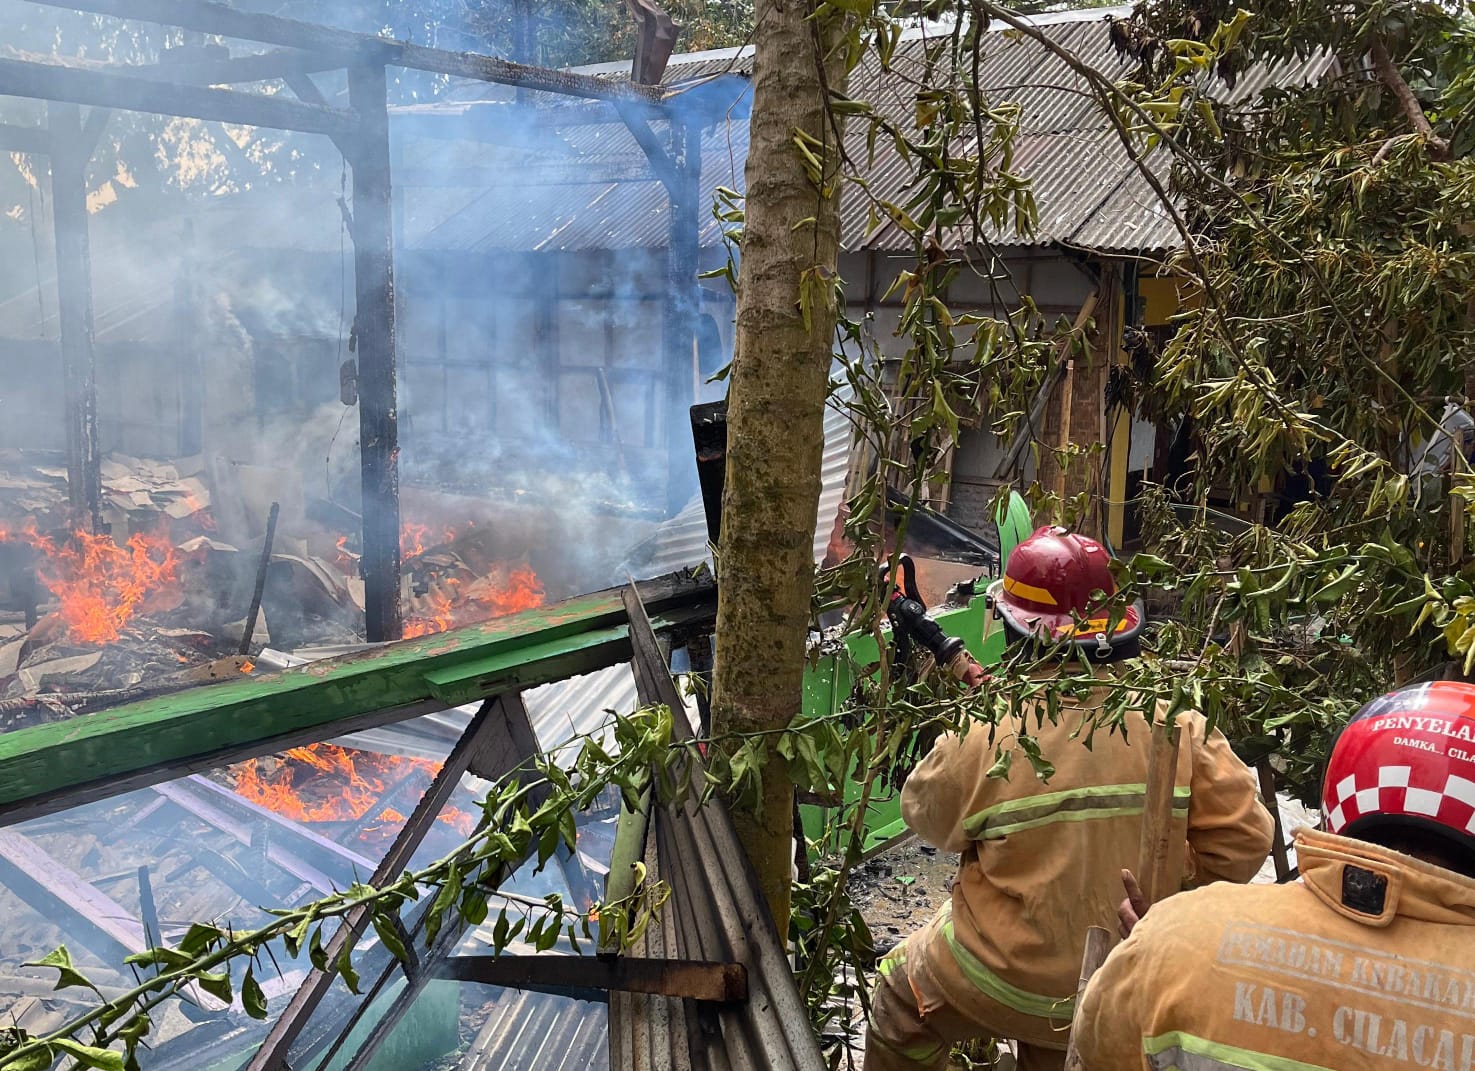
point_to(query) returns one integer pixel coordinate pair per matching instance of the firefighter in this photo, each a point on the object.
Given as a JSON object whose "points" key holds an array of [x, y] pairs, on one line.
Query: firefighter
{"points": [[1041, 860], [1367, 962]]}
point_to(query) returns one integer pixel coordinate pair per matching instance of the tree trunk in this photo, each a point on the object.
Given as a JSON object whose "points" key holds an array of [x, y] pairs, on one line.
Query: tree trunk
{"points": [[776, 418]]}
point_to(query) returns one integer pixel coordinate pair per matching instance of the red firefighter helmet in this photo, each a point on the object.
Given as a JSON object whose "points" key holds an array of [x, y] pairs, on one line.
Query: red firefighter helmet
{"points": [[1050, 588], [1406, 759]]}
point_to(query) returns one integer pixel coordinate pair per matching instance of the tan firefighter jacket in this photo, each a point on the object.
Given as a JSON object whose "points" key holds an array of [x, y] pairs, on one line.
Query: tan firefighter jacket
{"points": [[1368, 962], [1041, 861]]}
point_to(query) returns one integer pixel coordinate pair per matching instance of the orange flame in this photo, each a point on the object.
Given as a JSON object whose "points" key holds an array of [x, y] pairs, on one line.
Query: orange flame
{"points": [[509, 590], [439, 614], [346, 785], [99, 584], [412, 539]]}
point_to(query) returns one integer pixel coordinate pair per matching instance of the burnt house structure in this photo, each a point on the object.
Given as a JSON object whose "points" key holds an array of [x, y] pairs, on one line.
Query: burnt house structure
{"points": [[505, 284]]}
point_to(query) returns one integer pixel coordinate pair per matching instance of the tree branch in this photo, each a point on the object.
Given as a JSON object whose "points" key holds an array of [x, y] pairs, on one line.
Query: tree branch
{"points": [[1393, 79]]}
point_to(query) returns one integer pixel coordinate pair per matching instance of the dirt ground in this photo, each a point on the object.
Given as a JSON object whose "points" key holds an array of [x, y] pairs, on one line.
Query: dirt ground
{"points": [[898, 892]]}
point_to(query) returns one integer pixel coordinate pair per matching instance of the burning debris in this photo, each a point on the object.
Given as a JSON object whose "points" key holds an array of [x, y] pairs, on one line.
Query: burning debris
{"points": [[161, 601], [98, 584]]}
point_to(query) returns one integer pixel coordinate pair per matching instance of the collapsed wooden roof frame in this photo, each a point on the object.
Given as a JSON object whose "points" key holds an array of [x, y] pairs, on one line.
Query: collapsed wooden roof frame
{"points": [[361, 133], [716, 978]]}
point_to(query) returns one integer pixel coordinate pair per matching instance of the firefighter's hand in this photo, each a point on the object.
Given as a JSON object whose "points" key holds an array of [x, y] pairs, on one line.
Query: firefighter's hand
{"points": [[1130, 911], [974, 674]]}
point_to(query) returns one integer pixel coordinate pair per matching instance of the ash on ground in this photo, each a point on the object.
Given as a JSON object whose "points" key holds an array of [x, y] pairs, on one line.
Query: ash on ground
{"points": [[901, 889]]}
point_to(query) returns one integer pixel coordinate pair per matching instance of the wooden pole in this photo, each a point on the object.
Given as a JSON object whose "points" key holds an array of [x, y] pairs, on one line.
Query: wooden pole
{"points": [[69, 156], [101, 88], [1067, 389], [189, 339], [1023, 436], [1456, 530], [1278, 845], [1160, 853], [1098, 944], [373, 242], [210, 17]]}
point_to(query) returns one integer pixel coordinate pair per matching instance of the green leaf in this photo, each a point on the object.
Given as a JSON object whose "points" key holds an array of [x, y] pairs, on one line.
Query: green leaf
{"points": [[217, 985], [89, 1056], [200, 938], [345, 967], [169, 958], [60, 960], [315, 950], [253, 999], [37, 1060], [384, 927], [474, 906], [449, 893]]}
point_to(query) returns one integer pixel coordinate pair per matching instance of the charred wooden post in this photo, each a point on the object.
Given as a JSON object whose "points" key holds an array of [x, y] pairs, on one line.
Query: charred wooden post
{"points": [[373, 241], [683, 302], [248, 632], [70, 153]]}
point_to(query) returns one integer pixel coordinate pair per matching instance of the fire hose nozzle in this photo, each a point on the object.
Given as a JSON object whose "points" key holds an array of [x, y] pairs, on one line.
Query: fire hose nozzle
{"points": [[910, 616]]}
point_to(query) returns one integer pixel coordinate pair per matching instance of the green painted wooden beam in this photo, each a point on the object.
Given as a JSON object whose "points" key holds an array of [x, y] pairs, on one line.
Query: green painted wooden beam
{"points": [[52, 767]]}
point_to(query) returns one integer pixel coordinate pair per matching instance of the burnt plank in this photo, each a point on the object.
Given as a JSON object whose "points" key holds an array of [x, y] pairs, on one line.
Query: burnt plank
{"points": [[216, 18], [70, 152], [373, 325]]}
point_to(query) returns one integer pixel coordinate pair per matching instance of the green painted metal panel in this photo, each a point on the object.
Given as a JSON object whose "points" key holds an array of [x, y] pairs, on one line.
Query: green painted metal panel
{"points": [[828, 684], [1015, 525], [52, 766]]}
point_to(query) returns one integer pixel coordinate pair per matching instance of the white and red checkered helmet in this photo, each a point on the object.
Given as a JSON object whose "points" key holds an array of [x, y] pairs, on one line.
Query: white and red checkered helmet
{"points": [[1407, 759]]}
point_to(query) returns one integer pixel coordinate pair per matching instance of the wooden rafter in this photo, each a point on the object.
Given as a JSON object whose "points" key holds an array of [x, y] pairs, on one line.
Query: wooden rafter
{"points": [[215, 18], [76, 85]]}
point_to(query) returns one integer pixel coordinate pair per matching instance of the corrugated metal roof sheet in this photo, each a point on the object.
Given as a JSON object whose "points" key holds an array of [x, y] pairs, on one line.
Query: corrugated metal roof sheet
{"points": [[681, 542], [1088, 193]]}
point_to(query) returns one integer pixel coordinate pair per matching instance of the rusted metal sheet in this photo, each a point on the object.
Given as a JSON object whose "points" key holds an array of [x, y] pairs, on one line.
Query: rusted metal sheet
{"points": [[715, 913], [724, 983]]}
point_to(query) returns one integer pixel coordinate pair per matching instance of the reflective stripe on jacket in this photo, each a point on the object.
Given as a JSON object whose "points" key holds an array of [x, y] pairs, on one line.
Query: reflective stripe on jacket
{"points": [[1041, 862], [1369, 962]]}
